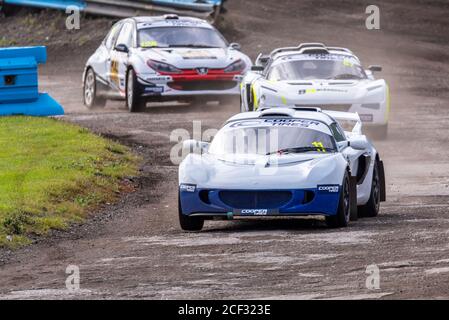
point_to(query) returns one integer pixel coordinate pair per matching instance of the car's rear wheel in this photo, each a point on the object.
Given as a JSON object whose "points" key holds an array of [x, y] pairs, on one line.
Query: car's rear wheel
{"points": [[90, 94], [134, 101], [341, 219], [189, 223], [371, 208]]}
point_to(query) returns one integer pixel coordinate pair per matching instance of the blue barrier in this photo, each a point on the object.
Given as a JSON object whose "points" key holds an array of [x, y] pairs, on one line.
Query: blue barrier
{"points": [[193, 7], [19, 94], [51, 4]]}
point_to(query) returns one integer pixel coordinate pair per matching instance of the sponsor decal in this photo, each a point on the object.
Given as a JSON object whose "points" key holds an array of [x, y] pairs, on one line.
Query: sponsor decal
{"points": [[255, 212], [157, 78], [331, 90], [202, 71], [333, 188], [187, 187], [149, 44], [154, 89], [114, 77], [183, 23], [366, 117], [197, 54], [277, 123], [304, 91]]}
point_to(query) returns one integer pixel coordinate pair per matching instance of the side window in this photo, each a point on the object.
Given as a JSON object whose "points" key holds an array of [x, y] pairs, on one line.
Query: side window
{"points": [[126, 35], [274, 74], [112, 36], [338, 135]]}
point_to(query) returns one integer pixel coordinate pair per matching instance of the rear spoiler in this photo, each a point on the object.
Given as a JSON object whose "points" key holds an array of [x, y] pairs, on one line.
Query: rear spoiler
{"points": [[347, 116]]}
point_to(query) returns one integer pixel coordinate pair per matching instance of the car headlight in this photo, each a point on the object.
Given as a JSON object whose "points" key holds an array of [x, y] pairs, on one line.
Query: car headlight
{"points": [[238, 66], [162, 67]]}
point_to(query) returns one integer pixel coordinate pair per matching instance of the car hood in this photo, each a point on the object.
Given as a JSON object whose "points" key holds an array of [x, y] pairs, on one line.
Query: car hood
{"points": [[329, 91], [287, 171], [185, 58]]}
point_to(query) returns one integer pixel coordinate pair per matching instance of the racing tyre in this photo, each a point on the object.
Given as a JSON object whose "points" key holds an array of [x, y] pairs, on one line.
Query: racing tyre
{"points": [[134, 101], [90, 96], [189, 223], [371, 208], [341, 219]]}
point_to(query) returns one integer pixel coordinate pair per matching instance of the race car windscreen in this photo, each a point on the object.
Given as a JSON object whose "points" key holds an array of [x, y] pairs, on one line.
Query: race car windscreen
{"points": [[323, 69], [267, 140], [190, 37]]}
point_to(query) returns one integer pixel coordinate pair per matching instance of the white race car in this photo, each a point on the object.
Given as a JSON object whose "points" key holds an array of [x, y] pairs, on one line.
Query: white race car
{"points": [[315, 75], [146, 59], [282, 162]]}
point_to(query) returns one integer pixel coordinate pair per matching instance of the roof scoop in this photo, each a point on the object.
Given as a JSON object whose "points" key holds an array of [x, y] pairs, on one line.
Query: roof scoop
{"points": [[272, 112]]}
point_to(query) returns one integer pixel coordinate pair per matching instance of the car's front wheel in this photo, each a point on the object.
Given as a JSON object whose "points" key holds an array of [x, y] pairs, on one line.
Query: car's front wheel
{"points": [[371, 208], [341, 219], [189, 223], [90, 94], [134, 101]]}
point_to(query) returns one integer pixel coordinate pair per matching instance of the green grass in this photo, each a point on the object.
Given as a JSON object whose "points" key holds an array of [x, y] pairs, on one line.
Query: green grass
{"points": [[52, 173]]}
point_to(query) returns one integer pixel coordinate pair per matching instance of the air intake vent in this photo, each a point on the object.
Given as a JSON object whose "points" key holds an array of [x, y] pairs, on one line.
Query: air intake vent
{"points": [[300, 83], [171, 17], [255, 199], [307, 108]]}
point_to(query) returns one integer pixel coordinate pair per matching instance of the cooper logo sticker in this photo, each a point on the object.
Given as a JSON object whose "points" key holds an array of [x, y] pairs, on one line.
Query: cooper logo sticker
{"points": [[329, 188], [187, 187], [256, 212]]}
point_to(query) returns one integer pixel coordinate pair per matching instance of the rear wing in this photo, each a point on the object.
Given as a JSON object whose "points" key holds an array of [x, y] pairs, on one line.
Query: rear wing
{"points": [[347, 119]]}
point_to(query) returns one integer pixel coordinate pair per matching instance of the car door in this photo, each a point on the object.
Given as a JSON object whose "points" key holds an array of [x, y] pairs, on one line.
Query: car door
{"points": [[103, 62], [119, 59]]}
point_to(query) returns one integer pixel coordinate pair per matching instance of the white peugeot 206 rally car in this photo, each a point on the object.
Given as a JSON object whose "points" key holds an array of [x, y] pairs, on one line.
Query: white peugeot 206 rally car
{"points": [[313, 74], [152, 59], [282, 162]]}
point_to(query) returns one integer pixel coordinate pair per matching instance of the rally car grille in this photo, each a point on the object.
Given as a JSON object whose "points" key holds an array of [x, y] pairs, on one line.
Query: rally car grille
{"points": [[255, 199], [202, 85]]}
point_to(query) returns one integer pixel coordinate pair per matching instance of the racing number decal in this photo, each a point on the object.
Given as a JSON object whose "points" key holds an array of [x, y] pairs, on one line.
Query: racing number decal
{"points": [[319, 146], [114, 72]]}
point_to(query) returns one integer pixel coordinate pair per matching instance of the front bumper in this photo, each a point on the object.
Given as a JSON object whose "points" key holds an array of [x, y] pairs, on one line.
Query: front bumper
{"points": [[322, 200], [189, 85]]}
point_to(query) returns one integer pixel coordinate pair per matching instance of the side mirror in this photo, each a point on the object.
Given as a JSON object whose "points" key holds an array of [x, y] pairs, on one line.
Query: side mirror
{"points": [[257, 68], [121, 48], [375, 68], [342, 144], [358, 143], [235, 46], [194, 146], [262, 59]]}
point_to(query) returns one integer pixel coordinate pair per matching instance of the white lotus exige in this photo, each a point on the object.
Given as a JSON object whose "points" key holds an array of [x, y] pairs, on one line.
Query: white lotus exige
{"points": [[146, 59], [282, 162], [312, 74]]}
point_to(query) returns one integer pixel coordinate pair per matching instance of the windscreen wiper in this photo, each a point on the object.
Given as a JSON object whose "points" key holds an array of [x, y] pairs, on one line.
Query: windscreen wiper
{"points": [[301, 149], [345, 76]]}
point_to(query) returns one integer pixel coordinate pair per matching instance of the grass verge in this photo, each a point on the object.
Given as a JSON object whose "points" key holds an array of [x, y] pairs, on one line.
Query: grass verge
{"points": [[52, 173]]}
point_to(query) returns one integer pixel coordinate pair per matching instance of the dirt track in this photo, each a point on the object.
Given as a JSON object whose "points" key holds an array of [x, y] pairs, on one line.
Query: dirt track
{"points": [[134, 249]]}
